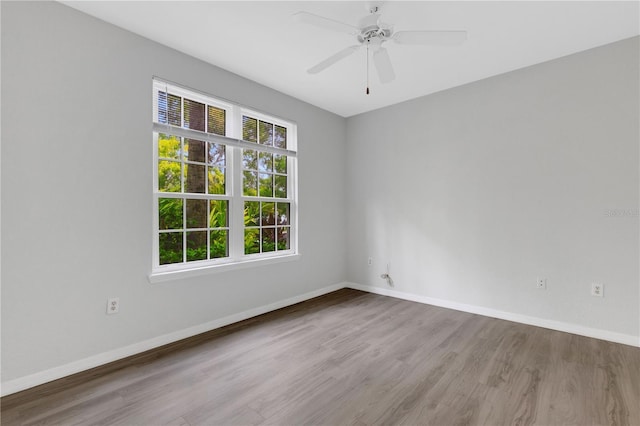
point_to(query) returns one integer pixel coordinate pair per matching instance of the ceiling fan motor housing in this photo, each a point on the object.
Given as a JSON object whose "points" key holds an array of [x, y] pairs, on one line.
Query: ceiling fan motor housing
{"points": [[374, 32], [371, 29]]}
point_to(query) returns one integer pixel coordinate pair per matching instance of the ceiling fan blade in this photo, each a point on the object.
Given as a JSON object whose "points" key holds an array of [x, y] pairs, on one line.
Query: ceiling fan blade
{"points": [[431, 38], [383, 65], [328, 23], [333, 59]]}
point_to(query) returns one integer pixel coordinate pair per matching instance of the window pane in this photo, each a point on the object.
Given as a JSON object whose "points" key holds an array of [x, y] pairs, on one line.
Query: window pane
{"points": [[216, 180], [266, 162], [169, 176], [280, 186], [250, 184], [193, 115], [249, 129], [266, 185], [170, 213], [250, 159], [251, 213], [194, 178], [282, 238], [168, 146], [169, 109], [170, 244], [218, 244], [217, 121], [283, 213], [196, 213], [280, 137], [194, 150], [162, 107], [218, 214], [216, 154], [196, 245], [268, 214], [268, 239], [280, 163], [266, 133], [251, 241], [174, 109]]}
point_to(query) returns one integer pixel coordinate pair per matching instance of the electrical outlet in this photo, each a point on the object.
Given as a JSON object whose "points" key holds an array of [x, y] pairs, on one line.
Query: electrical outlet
{"points": [[113, 305], [597, 289], [370, 261], [541, 283]]}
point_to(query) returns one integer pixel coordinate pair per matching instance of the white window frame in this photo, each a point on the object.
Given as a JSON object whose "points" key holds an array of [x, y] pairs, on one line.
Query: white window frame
{"points": [[233, 186]]}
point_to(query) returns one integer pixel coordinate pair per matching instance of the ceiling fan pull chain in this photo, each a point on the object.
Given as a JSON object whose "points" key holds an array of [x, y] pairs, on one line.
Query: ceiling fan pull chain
{"points": [[367, 68]]}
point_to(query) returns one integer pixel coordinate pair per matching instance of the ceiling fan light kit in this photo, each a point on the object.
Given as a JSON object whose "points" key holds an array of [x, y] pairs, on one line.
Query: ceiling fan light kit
{"points": [[373, 33]]}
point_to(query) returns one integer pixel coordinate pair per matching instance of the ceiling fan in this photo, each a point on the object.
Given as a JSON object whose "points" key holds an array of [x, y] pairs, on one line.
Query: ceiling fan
{"points": [[372, 33]]}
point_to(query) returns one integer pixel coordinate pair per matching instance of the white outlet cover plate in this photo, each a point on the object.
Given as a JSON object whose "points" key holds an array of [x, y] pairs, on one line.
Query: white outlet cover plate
{"points": [[597, 290], [113, 305]]}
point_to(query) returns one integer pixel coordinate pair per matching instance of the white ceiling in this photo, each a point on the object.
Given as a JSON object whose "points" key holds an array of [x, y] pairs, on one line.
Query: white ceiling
{"points": [[261, 41]]}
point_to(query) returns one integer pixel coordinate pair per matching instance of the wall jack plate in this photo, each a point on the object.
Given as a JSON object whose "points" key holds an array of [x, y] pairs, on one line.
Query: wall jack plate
{"points": [[541, 283]]}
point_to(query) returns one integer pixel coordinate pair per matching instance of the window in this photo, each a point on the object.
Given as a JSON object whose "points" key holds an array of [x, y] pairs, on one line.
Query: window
{"points": [[224, 183]]}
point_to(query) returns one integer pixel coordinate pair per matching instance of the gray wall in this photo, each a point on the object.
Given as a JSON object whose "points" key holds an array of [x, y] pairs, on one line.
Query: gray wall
{"points": [[472, 193], [76, 192]]}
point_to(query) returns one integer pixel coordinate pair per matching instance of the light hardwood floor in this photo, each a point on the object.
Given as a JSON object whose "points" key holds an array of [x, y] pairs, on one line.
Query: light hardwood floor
{"points": [[352, 358]]}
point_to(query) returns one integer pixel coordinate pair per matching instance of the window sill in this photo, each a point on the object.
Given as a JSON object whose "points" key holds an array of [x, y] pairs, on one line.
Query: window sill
{"points": [[162, 276]]}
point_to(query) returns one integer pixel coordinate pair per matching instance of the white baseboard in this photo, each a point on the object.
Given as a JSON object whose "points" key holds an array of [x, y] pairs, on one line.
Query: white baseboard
{"points": [[611, 336], [26, 382]]}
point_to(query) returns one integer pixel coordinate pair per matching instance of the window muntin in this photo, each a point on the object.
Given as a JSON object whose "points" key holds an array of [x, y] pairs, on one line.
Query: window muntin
{"points": [[218, 199]]}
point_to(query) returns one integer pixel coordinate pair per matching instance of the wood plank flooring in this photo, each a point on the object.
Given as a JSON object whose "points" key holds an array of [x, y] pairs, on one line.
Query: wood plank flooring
{"points": [[353, 358]]}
